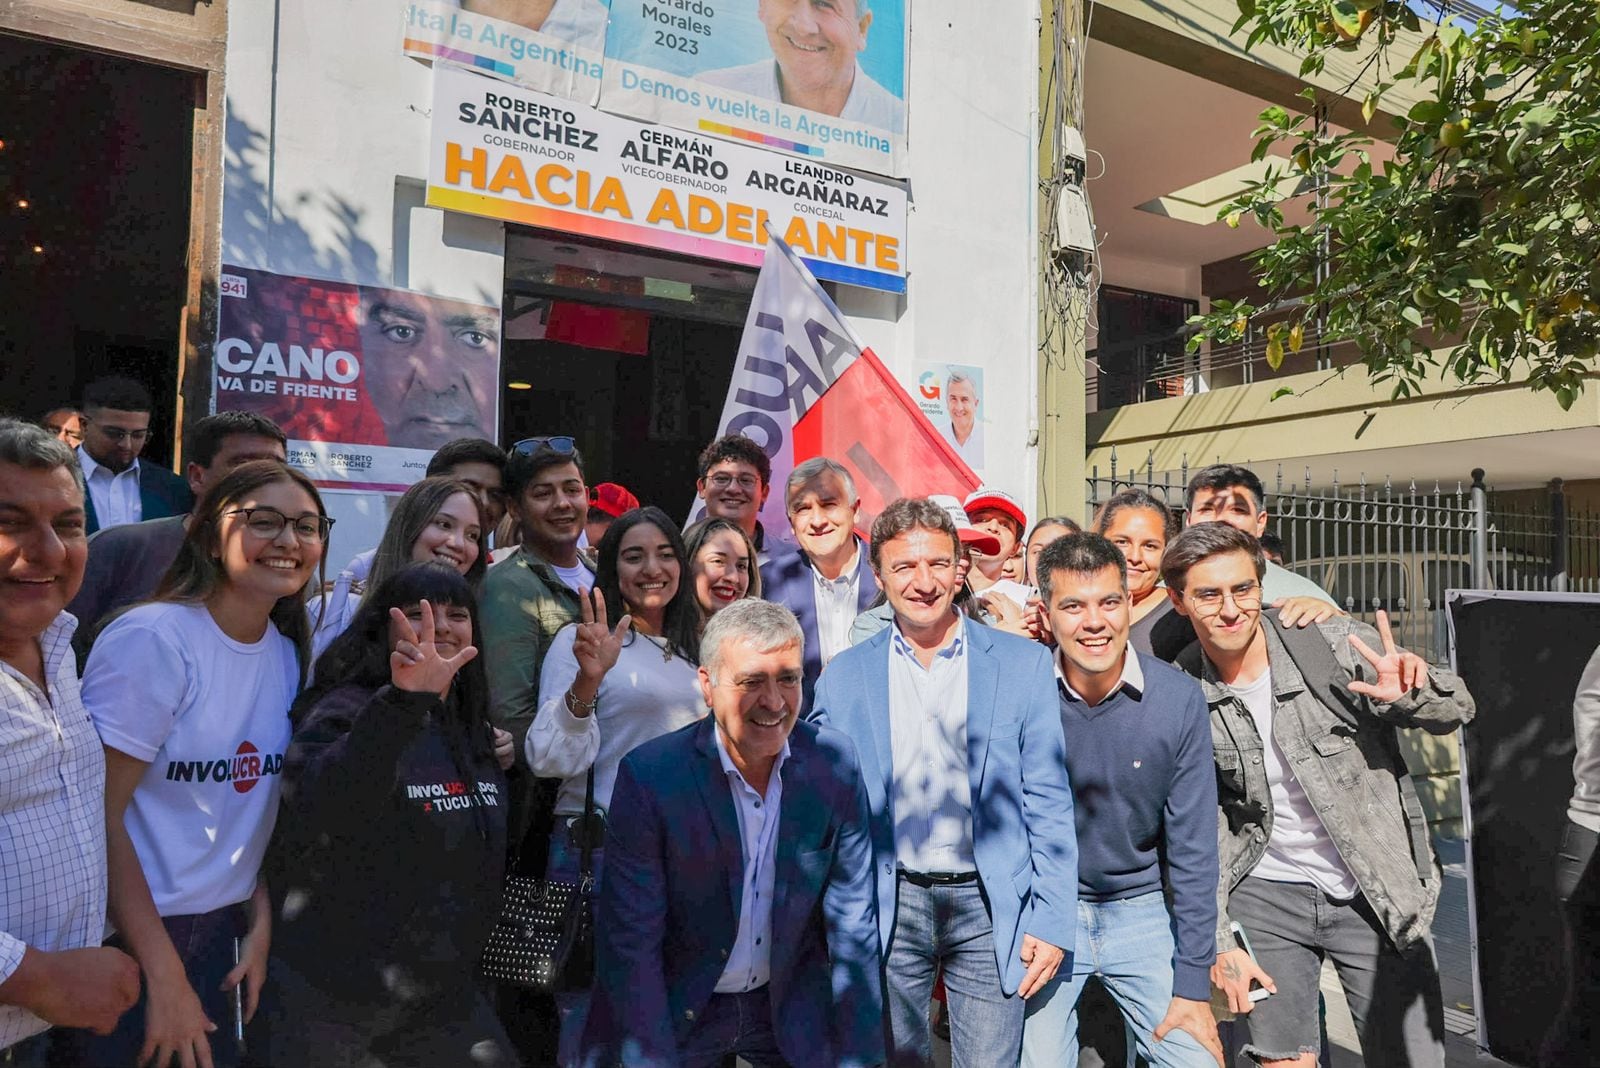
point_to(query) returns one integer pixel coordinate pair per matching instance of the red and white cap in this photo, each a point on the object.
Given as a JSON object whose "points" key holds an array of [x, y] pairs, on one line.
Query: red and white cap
{"points": [[989, 497], [971, 536]]}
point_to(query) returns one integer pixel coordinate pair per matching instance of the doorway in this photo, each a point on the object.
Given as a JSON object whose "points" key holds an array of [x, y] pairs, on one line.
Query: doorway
{"points": [[95, 180], [627, 350]]}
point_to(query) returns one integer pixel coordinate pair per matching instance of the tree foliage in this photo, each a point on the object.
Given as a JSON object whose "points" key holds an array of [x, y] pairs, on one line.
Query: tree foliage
{"points": [[1483, 227]]}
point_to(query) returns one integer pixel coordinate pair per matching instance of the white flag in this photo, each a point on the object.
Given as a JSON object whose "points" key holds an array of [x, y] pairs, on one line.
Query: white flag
{"points": [[796, 344]]}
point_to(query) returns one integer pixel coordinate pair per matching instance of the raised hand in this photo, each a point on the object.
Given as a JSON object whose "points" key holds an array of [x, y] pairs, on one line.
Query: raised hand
{"points": [[596, 645], [1399, 672], [415, 664]]}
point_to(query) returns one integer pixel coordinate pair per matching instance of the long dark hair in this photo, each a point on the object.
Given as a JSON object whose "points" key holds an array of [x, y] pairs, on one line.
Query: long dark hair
{"points": [[412, 514], [360, 655], [680, 625], [197, 571]]}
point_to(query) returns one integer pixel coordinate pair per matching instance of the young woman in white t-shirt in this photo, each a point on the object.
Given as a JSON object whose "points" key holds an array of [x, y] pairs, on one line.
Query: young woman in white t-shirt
{"points": [[606, 689], [436, 521], [191, 696]]}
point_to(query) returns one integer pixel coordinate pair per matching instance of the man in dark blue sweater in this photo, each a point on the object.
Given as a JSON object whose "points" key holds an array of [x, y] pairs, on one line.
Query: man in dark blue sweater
{"points": [[1144, 791]]}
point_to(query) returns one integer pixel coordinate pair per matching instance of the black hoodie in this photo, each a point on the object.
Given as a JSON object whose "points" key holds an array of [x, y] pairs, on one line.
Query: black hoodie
{"points": [[389, 856]]}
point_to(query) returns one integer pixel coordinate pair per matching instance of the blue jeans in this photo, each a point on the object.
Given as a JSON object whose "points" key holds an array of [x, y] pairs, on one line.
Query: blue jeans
{"points": [[949, 927], [1128, 944], [572, 1006], [734, 1024], [205, 945]]}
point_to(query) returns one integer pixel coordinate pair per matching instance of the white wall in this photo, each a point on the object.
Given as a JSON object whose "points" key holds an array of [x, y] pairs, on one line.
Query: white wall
{"points": [[327, 149]]}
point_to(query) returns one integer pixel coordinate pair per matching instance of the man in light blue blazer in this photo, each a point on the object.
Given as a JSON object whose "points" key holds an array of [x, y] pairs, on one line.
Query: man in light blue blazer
{"points": [[974, 851], [737, 912]]}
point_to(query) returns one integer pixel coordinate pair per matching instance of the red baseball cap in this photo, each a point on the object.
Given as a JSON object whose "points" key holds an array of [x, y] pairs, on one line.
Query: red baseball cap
{"points": [[998, 499], [980, 540], [612, 499]]}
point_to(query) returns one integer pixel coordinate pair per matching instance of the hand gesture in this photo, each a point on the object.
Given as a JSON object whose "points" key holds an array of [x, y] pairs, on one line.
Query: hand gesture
{"points": [[1304, 611], [1037, 621], [415, 664], [175, 1025], [505, 749], [1399, 672], [1233, 973], [1005, 614], [596, 646], [87, 988], [1184, 1014], [1042, 960]]}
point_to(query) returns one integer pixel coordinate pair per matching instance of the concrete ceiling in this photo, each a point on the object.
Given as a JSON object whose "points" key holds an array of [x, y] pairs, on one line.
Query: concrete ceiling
{"points": [[1160, 129]]}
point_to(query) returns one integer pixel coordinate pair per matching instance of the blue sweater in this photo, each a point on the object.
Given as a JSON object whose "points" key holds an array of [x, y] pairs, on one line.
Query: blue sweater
{"points": [[1144, 790]]}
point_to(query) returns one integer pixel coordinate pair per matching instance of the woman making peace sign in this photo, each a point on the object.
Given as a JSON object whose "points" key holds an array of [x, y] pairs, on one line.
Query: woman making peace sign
{"points": [[390, 850], [605, 689]]}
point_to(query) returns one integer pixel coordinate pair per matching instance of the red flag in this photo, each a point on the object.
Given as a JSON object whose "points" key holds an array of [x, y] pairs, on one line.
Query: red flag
{"points": [[870, 424]]}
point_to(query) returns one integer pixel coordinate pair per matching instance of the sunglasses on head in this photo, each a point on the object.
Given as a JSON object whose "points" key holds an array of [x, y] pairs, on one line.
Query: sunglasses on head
{"points": [[564, 444]]}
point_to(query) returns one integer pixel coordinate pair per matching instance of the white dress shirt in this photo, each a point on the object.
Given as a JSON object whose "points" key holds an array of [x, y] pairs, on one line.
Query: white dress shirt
{"points": [[52, 818], [838, 603], [1131, 679], [869, 103], [750, 962], [972, 450], [928, 737], [115, 494]]}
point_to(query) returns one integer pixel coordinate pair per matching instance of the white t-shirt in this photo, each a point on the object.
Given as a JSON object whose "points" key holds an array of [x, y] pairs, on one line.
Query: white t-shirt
{"points": [[211, 716], [1300, 849], [576, 578]]}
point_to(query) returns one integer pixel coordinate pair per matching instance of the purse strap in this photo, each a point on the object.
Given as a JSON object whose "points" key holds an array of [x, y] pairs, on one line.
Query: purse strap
{"points": [[586, 856]]}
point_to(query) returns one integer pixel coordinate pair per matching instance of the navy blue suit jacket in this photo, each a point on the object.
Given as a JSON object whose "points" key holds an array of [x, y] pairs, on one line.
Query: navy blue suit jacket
{"points": [[1025, 838], [670, 894], [787, 579], [161, 493]]}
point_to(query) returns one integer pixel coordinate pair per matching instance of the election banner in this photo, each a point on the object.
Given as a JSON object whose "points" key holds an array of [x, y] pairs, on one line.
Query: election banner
{"points": [[805, 386], [559, 52], [366, 382], [951, 396], [821, 81], [514, 154]]}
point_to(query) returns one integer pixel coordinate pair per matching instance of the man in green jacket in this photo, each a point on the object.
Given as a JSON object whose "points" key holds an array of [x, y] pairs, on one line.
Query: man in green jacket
{"points": [[533, 593]]}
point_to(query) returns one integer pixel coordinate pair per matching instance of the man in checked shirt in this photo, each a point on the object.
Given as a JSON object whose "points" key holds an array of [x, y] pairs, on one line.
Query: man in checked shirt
{"points": [[53, 969]]}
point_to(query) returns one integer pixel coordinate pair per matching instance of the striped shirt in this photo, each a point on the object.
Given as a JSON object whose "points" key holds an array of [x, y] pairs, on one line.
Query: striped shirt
{"points": [[52, 819]]}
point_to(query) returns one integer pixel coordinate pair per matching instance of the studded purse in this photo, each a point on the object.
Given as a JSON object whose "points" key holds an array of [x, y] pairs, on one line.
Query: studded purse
{"points": [[544, 938]]}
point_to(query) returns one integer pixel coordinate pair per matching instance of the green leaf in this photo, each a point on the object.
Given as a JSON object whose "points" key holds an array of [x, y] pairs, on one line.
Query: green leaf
{"points": [[1247, 9], [1428, 112], [1411, 315], [1368, 107], [1274, 353], [1346, 18], [1282, 391], [1513, 248]]}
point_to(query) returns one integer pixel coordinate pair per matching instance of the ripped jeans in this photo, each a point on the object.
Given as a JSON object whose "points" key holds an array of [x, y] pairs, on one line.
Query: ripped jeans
{"points": [[1394, 998]]}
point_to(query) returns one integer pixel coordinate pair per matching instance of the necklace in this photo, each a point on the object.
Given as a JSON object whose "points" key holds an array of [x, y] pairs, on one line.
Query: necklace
{"points": [[659, 643]]}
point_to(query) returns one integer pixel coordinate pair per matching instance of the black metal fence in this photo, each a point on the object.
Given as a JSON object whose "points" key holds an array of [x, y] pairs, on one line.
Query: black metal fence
{"points": [[1399, 547]]}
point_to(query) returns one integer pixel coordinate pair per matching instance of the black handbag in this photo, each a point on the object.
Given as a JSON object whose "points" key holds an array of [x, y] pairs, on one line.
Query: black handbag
{"points": [[544, 938]]}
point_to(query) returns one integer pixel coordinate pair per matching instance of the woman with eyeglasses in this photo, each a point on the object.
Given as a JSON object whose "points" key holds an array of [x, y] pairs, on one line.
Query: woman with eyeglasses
{"points": [[390, 854], [722, 563], [191, 694], [606, 688], [437, 520]]}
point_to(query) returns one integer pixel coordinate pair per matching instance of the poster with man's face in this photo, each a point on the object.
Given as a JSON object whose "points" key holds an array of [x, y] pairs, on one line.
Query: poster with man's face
{"points": [[366, 382], [951, 396]]}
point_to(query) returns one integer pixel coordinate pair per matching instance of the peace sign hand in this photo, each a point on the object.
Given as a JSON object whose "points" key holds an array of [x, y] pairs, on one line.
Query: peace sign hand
{"points": [[415, 665], [1399, 671], [596, 646]]}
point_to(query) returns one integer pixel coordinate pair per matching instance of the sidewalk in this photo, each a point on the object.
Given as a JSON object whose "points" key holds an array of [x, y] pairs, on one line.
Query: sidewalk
{"points": [[1453, 943]]}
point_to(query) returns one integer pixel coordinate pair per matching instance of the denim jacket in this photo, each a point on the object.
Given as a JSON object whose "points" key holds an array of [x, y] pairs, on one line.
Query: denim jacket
{"points": [[1350, 775]]}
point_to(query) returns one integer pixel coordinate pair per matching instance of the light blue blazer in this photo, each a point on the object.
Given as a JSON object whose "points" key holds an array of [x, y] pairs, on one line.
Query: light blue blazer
{"points": [[1024, 835]]}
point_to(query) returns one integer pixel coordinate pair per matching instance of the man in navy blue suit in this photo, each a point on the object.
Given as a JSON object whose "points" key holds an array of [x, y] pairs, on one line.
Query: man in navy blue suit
{"points": [[118, 488], [974, 849], [826, 582], [737, 915]]}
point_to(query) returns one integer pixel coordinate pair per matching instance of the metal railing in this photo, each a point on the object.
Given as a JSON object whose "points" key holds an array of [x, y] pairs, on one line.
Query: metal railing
{"points": [[1399, 546]]}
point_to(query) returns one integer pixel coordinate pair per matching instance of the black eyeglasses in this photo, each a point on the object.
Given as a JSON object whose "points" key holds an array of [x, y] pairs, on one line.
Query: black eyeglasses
{"points": [[563, 444], [268, 523]]}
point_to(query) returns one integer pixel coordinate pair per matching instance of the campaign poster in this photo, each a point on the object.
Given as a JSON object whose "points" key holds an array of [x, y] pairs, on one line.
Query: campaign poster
{"points": [[951, 396], [825, 82], [556, 47], [514, 154], [366, 382]]}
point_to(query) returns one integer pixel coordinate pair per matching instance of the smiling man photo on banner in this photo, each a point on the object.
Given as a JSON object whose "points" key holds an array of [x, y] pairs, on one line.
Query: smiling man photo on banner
{"points": [[430, 366], [814, 65], [578, 21]]}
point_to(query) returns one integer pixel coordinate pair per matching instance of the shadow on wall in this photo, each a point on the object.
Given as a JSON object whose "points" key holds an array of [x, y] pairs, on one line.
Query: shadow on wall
{"points": [[258, 232]]}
